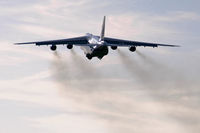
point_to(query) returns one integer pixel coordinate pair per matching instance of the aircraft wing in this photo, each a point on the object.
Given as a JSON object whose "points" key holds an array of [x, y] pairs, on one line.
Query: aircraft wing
{"points": [[79, 41], [127, 43]]}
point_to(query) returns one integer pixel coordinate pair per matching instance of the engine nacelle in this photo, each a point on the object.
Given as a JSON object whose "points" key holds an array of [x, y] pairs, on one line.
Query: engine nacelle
{"points": [[69, 46], [132, 49], [113, 47], [53, 47]]}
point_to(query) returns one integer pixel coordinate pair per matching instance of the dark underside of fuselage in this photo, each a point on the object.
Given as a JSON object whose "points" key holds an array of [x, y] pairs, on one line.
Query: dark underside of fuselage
{"points": [[98, 52]]}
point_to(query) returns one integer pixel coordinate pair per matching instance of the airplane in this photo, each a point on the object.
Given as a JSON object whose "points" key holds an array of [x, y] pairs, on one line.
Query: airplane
{"points": [[96, 46]]}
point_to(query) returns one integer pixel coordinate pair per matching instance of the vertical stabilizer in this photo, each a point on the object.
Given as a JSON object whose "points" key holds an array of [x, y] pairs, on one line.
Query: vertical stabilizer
{"points": [[103, 29]]}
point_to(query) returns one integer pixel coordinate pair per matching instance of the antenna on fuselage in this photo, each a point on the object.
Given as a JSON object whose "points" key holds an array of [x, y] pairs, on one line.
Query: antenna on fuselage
{"points": [[103, 30]]}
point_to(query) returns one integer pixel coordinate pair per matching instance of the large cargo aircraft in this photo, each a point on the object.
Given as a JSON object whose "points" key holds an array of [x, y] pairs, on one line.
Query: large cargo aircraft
{"points": [[96, 46]]}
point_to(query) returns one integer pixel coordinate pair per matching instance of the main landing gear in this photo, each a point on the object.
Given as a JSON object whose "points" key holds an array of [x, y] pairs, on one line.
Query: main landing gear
{"points": [[53, 47], [89, 56]]}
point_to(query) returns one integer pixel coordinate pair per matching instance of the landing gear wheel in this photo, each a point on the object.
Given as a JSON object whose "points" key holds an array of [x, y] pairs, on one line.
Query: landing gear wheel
{"points": [[132, 49], [113, 47], [69, 46], [89, 56], [53, 47]]}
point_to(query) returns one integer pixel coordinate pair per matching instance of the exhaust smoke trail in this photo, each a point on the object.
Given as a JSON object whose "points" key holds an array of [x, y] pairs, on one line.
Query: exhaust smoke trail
{"points": [[84, 86], [61, 69], [134, 68], [162, 74], [85, 67], [86, 72], [150, 73], [76, 76], [116, 107]]}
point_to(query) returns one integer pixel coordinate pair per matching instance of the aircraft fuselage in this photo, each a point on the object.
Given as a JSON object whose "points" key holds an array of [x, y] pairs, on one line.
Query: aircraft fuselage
{"points": [[99, 50]]}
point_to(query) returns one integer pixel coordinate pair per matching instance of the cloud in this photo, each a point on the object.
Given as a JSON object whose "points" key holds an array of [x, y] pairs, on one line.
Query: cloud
{"points": [[178, 17], [65, 123], [44, 31], [144, 26]]}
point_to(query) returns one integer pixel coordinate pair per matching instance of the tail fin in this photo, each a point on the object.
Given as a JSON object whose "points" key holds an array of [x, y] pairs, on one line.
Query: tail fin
{"points": [[103, 29]]}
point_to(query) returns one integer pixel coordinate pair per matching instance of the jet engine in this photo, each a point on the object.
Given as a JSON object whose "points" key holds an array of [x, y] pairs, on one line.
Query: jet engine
{"points": [[69, 46], [113, 47], [132, 49], [53, 47]]}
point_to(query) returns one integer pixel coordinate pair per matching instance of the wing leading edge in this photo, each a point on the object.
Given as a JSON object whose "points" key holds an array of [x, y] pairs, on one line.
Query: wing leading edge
{"points": [[75, 41], [83, 41], [127, 43]]}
